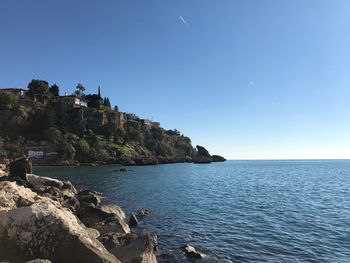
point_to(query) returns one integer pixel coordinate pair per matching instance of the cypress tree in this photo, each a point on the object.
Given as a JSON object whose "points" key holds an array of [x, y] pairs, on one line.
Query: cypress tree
{"points": [[99, 93]]}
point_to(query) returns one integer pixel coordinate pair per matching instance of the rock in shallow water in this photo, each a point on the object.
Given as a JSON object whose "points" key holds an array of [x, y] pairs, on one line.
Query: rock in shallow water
{"points": [[133, 220], [143, 246], [193, 252]]}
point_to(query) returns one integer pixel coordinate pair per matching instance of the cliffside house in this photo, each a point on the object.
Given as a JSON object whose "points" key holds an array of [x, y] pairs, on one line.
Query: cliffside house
{"points": [[149, 123], [72, 101], [20, 93], [40, 151]]}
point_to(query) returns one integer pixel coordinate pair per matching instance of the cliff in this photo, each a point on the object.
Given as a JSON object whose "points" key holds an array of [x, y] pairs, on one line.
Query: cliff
{"points": [[62, 130]]}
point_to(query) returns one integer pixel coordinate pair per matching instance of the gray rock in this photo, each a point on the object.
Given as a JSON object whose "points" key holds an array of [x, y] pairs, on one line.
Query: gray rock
{"points": [[104, 219], [218, 158], [89, 197], [39, 261], [41, 228], [111, 224], [142, 213], [202, 155], [133, 220], [143, 246], [193, 252]]}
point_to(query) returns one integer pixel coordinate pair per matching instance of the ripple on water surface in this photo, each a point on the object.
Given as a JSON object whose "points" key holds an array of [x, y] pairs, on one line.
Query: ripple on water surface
{"points": [[241, 211]]}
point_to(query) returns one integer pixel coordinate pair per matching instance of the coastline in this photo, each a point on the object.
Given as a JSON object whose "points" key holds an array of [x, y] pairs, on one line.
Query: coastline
{"points": [[35, 212]]}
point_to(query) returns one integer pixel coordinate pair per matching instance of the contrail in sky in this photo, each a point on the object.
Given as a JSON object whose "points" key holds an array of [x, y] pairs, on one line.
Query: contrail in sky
{"points": [[184, 21]]}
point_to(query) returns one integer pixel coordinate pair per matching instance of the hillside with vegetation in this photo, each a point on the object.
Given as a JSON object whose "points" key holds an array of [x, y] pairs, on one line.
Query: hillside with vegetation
{"points": [[82, 128]]}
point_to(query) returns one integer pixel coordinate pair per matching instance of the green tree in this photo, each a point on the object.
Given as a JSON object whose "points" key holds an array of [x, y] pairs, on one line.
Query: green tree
{"points": [[38, 89], [80, 90], [94, 101], [108, 104], [7, 100], [54, 90], [99, 93]]}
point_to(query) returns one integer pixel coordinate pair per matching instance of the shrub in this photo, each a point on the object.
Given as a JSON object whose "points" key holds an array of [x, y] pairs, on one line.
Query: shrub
{"points": [[7, 100], [82, 150]]}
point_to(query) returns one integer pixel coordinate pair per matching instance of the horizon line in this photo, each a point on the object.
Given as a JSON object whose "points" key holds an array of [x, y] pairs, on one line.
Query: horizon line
{"points": [[293, 159]]}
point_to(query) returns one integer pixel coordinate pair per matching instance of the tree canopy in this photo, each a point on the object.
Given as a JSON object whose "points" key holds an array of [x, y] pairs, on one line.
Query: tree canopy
{"points": [[38, 89], [80, 90], [54, 90]]}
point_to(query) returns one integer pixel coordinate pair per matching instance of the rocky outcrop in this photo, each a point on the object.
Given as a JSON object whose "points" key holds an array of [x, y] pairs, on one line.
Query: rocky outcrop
{"points": [[165, 160], [33, 226], [142, 160], [126, 161], [202, 155], [133, 221], [89, 197], [19, 168], [217, 158], [52, 222], [193, 252], [144, 245]]}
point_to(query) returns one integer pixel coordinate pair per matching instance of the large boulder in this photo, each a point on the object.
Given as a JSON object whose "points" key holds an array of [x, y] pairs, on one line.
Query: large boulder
{"points": [[193, 252], [103, 219], [143, 246], [89, 197], [33, 227], [41, 182], [217, 158], [62, 191], [202, 155], [113, 209], [19, 168], [13, 196]]}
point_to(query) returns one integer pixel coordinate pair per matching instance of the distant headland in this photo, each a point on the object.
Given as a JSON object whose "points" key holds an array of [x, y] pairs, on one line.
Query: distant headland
{"points": [[80, 128]]}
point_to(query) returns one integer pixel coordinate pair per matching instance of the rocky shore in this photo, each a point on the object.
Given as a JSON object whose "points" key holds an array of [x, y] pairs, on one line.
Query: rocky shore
{"points": [[201, 156], [47, 219]]}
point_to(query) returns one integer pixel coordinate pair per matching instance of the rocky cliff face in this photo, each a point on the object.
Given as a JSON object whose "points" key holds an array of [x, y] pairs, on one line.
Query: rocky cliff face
{"points": [[62, 135], [49, 219]]}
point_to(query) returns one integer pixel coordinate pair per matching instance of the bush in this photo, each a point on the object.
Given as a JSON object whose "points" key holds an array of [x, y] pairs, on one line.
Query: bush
{"points": [[82, 150], [7, 100]]}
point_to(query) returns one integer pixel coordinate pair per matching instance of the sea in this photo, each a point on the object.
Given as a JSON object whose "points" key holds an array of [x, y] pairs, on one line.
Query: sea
{"points": [[236, 211]]}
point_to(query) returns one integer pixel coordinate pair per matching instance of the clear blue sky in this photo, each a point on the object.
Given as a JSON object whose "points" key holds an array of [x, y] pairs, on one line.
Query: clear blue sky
{"points": [[248, 79]]}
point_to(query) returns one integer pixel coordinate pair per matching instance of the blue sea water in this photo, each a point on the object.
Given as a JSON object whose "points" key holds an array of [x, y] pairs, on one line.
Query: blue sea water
{"points": [[240, 211]]}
